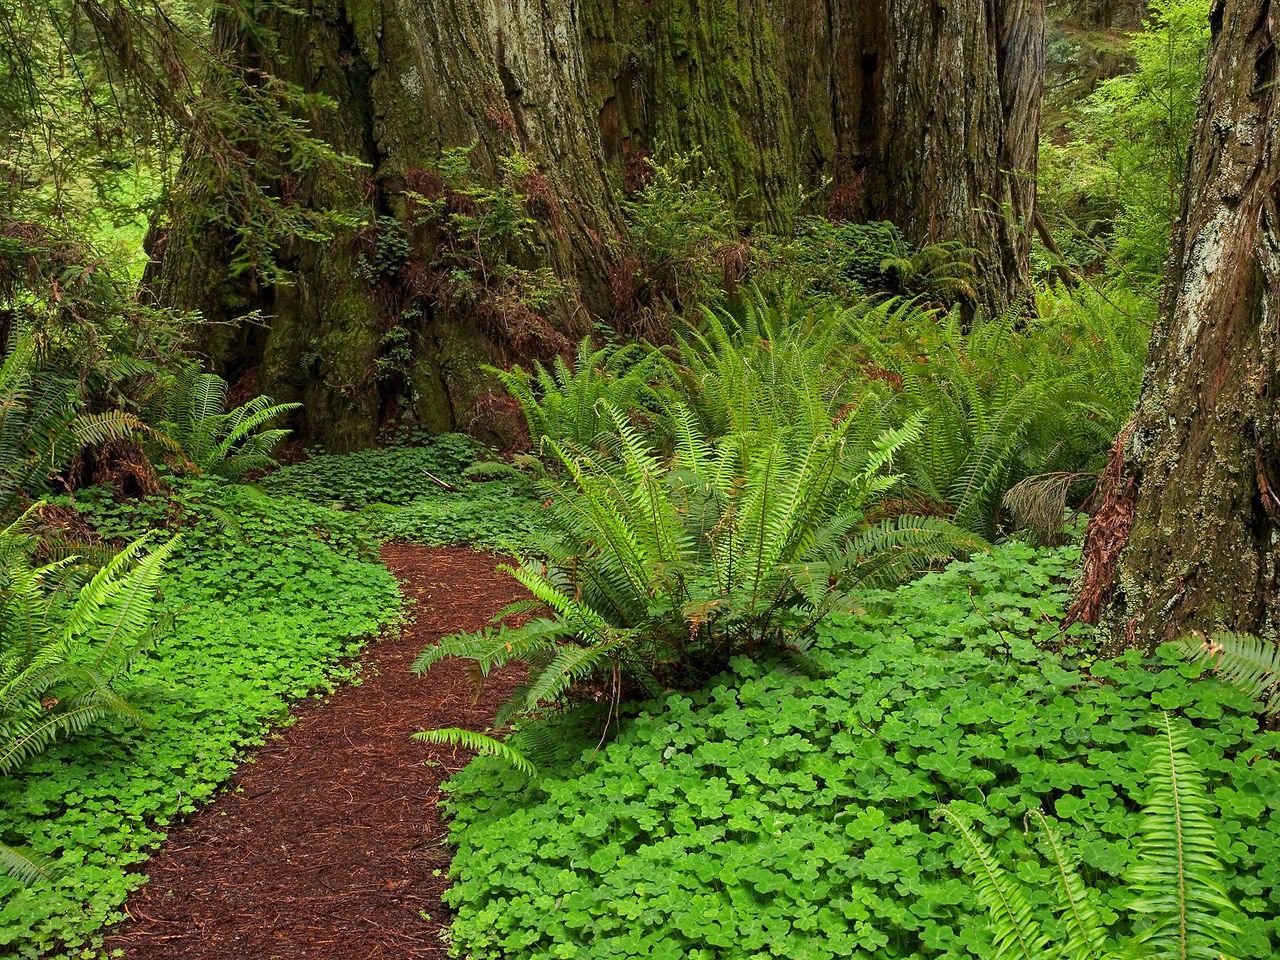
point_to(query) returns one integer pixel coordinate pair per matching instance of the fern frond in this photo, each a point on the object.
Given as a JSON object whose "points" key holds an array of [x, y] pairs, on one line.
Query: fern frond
{"points": [[1242, 660], [1177, 874], [1014, 929], [24, 865], [1086, 937], [482, 744]]}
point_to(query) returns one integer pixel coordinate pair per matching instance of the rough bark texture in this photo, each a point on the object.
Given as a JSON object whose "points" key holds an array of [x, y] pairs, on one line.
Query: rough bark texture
{"points": [[1202, 460], [924, 112]]}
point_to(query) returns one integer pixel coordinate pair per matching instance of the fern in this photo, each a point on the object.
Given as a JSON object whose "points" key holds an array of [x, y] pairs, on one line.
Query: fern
{"points": [[660, 565], [1243, 660], [24, 865], [1004, 399], [564, 403], [230, 443], [43, 424], [482, 744], [60, 662], [1014, 929], [1176, 876]]}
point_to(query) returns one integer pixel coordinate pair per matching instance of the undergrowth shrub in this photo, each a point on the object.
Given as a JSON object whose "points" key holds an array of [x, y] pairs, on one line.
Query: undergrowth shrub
{"points": [[781, 361], [230, 443], [1006, 399], [660, 568], [836, 259], [43, 423], [774, 815], [684, 235], [565, 402]]}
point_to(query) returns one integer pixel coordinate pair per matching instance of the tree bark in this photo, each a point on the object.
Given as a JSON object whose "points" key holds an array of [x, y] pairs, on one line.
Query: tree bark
{"points": [[923, 112], [937, 126], [1194, 496]]}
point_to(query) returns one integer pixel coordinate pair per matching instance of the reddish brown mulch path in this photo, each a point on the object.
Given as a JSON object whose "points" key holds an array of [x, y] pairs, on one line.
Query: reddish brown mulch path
{"points": [[333, 844]]}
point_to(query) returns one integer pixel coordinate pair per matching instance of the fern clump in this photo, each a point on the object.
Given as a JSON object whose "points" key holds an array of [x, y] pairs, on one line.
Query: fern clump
{"points": [[1019, 413], [43, 423], [661, 567], [782, 363], [63, 650], [566, 402], [1182, 910]]}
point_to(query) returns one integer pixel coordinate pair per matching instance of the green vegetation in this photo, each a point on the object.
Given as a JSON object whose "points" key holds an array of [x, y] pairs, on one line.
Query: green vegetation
{"points": [[421, 489], [1113, 185], [267, 597], [769, 814], [798, 521], [66, 648], [658, 570], [1181, 904], [1250, 663], [229, 443]]}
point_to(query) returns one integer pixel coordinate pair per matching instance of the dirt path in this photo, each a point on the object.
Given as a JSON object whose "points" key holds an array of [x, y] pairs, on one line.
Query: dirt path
{"points": [[332, 846]]}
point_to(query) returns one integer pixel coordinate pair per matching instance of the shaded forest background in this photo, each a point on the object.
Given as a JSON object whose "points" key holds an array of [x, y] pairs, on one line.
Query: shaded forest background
{"points": [[469, 190]]}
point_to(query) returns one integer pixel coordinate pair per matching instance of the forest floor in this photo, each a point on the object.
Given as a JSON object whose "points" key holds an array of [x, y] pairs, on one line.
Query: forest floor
{"points": [[331, 841]]}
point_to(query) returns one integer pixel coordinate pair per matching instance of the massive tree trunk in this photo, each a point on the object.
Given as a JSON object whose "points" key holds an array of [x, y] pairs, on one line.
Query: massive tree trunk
{"points": [[1193, 505], [923, 112], [937, 122]]}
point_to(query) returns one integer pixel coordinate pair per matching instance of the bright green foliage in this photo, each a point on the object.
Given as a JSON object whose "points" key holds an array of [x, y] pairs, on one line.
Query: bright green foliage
{"points": [[481, 234], [565, 403], [1179, 863], [480, 744], [1248, 662], [496, 514], [62, 656], [425, 490], [229, 443], [1004, 399], [268, 595], [1183, 908], [1014, 931], [397, 474], [659, 569], [41, 423], [1116, 187], [23, 865], [682, 229], [770, 815], [784, 362]]}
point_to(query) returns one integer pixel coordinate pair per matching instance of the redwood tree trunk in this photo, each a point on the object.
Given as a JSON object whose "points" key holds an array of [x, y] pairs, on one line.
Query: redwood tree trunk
{"points": [[924, 112], [1194, 505], [940, 126]]}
